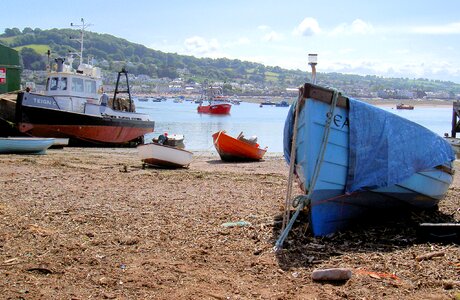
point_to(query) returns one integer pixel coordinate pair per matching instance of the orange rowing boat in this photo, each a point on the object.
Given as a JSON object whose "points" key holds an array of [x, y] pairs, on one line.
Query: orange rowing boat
{"points": [[237, 149]]}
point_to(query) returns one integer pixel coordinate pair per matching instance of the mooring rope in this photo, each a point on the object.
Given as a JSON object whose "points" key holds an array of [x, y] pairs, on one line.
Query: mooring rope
{"points": [[305, 200], [291, 162]]}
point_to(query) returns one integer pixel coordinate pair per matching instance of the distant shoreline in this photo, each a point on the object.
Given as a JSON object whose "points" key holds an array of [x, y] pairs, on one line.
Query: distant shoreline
{"points": [[374, 101], [413, 102]]}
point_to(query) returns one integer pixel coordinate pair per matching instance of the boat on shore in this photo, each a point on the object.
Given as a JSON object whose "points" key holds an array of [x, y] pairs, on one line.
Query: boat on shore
{"points": [[74, 106], [25, 145], [353, 159], [60, 143], [455, 144], [164, 156], [237, 149], [404, 106], [173, 140]]}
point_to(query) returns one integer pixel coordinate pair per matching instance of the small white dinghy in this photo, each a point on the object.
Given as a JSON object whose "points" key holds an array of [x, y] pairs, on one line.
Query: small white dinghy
{"points": [[164, 156], [25, 145]]}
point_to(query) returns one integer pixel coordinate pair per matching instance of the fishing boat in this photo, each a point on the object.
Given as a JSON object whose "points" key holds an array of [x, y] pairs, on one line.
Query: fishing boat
{"points": [[215, 109], [237, 149], [352, 159], [74, 106], [404, 106], [216, 102], [25, 145], [164, 156]]}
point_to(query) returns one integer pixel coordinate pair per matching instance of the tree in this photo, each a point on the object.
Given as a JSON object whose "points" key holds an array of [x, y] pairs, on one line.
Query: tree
{"points": [[12, 31], [31, 59], [27, 30]]}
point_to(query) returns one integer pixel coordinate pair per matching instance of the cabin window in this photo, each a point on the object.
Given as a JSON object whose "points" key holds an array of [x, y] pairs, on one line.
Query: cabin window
{"points": [[54, 83], [63, 84], [90, 86], [77, 85]]}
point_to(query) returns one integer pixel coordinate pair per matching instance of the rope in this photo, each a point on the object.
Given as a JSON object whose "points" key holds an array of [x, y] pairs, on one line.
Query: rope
{"points": [[291, 162], [305, 201]]}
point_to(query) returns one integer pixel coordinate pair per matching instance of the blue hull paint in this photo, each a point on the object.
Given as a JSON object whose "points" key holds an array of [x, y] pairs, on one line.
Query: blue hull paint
{"points": [[25, 145], [330, 209]]}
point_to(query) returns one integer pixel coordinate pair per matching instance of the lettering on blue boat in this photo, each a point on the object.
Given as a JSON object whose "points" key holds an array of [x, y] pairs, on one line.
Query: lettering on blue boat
{"points": [[340, 121]]}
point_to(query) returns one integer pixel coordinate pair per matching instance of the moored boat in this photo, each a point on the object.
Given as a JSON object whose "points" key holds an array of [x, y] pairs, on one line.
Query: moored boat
{"points": [[237, 149], [215, 109], [164, 156], [217, 102], [268, 103], [25, 145], [282, 103], [353, 159], [404, 106]]}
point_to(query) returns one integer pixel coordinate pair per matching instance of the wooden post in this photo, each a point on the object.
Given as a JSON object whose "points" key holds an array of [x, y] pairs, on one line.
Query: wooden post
{"points": [[455, 118]]}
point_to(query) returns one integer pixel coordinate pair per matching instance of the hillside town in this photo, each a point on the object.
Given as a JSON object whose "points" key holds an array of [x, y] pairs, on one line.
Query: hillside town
{"points": [[146, 85]]}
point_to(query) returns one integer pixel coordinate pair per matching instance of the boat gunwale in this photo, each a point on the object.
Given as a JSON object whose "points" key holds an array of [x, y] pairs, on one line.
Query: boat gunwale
{"points": [[166, 146]]}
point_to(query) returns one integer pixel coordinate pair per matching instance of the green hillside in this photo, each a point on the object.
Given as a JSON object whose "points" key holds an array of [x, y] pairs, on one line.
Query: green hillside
{"points": [[37, 48], [110, 53]]}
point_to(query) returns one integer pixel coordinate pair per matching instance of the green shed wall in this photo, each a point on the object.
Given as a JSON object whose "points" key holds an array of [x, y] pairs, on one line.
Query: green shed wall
{"points": [[9, 61]]}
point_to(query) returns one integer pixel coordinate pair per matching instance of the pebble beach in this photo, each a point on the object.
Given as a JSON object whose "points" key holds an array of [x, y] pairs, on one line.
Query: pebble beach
{"points": [[93, 223]]}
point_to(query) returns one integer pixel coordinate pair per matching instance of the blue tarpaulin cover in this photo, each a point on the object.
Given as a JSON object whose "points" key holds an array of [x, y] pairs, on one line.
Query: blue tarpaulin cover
{"points": [[385, 149], [287, 134]]}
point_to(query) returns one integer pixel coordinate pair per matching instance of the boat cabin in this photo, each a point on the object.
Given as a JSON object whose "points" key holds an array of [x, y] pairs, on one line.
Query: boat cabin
{"points": [[73, 88]]}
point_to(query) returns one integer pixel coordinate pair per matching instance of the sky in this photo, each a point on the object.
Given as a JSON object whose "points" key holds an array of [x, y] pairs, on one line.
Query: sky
{"points": [[390, 38]]}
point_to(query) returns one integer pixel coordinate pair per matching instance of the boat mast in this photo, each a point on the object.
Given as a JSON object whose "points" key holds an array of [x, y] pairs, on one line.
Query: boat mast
{"points": [[127, 91], [82, 27], [313, 61]]}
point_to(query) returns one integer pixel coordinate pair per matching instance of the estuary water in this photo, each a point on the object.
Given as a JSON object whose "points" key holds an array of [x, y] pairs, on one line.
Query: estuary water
{"points": [[265, 122]]}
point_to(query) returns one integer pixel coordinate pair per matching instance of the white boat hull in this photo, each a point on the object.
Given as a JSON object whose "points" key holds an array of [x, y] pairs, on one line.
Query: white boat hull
{"points": [[164, 156]]}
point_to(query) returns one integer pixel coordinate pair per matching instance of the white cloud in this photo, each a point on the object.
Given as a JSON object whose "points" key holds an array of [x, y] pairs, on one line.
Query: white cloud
{"points": [[452, 28], [200, 46], [272, 37], [308, 27], [263, 27], [412, 69], [358, 26]]}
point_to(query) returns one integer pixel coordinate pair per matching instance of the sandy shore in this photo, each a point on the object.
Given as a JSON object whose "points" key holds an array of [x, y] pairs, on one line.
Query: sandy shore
{"points": [[92, 223]]}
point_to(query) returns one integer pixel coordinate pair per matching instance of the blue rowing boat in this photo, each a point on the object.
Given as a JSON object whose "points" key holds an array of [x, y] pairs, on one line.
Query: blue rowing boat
{"points": [[352, 158], [25, 145]]}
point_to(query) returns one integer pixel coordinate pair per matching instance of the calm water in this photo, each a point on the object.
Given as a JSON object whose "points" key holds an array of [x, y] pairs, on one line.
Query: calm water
{"points": [[265, 122]]}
